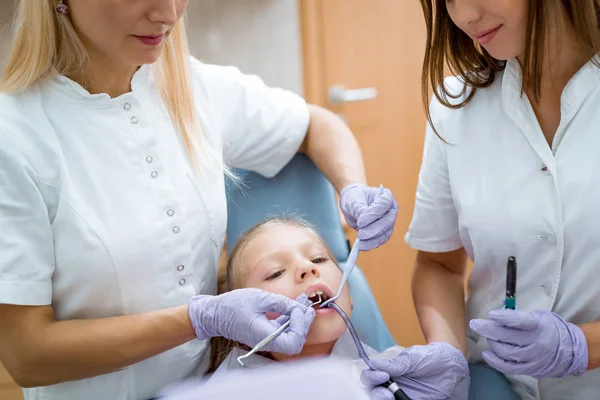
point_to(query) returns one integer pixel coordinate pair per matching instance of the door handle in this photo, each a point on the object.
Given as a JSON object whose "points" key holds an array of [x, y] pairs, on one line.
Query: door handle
{"points": [[339, 95]]}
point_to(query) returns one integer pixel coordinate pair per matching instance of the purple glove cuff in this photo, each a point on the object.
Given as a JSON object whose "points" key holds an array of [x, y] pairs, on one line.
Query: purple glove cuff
{"points": [[199, 309], [580, 350], [351, 186]]}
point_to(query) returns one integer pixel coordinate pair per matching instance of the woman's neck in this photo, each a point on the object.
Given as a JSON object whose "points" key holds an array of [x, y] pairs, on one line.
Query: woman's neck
{"points": [[106, 76], [315, 350], [563, 58]]}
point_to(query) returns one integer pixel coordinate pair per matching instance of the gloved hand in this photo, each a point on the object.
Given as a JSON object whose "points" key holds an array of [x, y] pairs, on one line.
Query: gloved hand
{"points": [[239, 315], [540, 344], [371, 211], [423, 372]]}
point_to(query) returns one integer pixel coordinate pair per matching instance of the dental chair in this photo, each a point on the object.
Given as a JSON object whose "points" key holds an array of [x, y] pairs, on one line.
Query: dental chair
{"points": [[300, 189]]}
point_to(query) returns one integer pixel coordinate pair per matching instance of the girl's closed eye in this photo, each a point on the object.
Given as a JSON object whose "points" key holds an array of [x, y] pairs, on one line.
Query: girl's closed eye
{"points": [[275, 275]]}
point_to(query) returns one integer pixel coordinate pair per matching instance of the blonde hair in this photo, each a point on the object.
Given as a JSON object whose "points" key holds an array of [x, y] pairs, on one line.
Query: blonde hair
{"points": [[232, 277], [45, 43]]}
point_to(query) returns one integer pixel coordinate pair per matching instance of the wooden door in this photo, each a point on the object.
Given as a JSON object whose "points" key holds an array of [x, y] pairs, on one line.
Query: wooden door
{"points": [[376, 44]]}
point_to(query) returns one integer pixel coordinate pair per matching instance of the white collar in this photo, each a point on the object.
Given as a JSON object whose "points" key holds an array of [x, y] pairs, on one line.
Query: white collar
{"points": [[578, 88], [75, 91]]}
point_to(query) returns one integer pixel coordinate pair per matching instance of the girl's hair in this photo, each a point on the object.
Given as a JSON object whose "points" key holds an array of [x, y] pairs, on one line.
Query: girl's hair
{"points": [[45, 43], [232, 277], [447, 45]]}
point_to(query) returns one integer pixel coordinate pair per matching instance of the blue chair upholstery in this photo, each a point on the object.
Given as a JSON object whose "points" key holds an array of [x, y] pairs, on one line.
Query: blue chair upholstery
{"points": [[302, 190], [489, 384]]}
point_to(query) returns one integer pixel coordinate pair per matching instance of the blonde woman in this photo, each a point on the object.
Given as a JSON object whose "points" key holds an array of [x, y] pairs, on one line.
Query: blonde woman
{"points": [[114, 146]]}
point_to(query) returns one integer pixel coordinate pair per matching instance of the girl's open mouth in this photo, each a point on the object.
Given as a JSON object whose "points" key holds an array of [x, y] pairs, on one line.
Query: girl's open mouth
{"points": [[317, 297]]}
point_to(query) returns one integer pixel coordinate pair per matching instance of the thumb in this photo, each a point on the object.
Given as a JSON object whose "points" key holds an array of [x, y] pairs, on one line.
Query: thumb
{"points": [[292, 340], [372, 378], [516, 319], [396, 367]]}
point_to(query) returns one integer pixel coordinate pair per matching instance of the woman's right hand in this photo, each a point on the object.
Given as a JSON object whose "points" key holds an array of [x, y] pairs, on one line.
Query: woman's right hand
{"points": [[240, 315], [430, 372]]}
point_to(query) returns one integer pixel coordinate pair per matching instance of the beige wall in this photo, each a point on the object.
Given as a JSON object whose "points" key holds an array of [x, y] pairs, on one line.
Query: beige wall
{"points": [[259, 36]]}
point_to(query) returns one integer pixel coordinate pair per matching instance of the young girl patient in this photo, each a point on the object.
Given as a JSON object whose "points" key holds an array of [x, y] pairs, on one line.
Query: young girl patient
{"points": [[287, 256]]}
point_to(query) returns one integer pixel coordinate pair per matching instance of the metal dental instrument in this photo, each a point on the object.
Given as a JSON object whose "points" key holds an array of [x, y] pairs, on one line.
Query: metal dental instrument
{"points": [[348, 268], [349, 265], [510, 301], [390, 384], [269, 338]]}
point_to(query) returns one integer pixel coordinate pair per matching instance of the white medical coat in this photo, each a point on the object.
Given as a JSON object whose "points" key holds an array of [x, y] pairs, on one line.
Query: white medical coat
{"points": [[102, 215], [499, 190]]}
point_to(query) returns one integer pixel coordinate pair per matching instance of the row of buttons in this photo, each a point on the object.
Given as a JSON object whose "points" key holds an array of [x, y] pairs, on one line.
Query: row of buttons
{"points": [[547, 285], [154, 174]]}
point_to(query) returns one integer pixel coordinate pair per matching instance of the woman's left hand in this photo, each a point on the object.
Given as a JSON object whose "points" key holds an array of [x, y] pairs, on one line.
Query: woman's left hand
{"points": [[436, 371], [371, 211], [540, 344]]}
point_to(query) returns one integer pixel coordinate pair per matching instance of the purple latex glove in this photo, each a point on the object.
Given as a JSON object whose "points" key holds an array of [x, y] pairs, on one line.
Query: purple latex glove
{"points": [[423, 372], [240, 315], [540, 344], [371, 211]]}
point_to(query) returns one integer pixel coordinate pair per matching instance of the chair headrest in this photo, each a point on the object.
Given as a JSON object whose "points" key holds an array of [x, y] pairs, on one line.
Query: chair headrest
{"points": [[299, 189]]}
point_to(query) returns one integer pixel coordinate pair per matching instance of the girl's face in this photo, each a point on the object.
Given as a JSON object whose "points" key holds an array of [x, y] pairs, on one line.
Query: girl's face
{"points": [[291, 260], [129, 32], [499, 26]]}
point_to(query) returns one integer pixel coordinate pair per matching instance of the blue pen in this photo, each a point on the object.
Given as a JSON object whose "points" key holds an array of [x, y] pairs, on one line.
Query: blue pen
{"points": [[510, 301]]}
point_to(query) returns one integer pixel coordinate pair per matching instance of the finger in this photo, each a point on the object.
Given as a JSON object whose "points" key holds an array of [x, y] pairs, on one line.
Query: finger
{"points": [[366, 245], [353, 201], [276, 323], [303, 299], [514, 319], [372, 378], [509, 352], [350, 220], [380, 393], [377, 209], [494, 331], [292, 340], [278, 303], [378, 227], [507, 367], [395, 367]]}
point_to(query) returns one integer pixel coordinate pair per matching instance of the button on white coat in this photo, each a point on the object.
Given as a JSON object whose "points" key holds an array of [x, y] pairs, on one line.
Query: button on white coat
{"points": [[90, 240]]}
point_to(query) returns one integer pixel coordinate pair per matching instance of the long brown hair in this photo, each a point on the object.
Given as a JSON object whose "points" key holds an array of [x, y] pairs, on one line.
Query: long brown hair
{"points": [[447, 45], [232, 277]]}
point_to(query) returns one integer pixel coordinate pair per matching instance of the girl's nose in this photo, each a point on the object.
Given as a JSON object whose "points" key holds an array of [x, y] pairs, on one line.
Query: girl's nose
{"points": [[307, 270]]}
